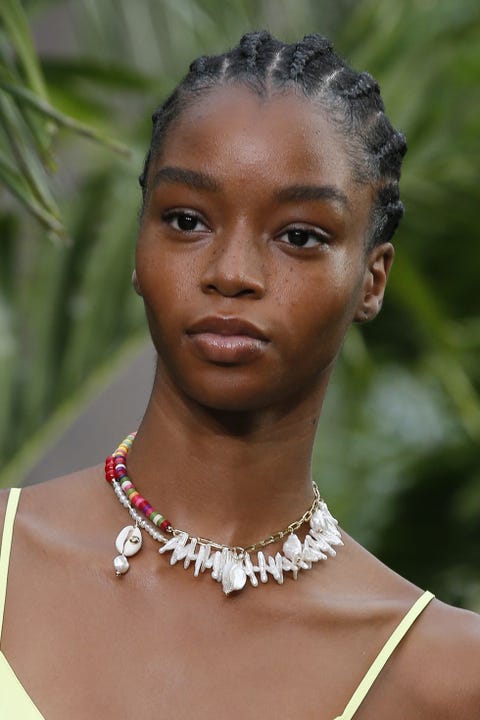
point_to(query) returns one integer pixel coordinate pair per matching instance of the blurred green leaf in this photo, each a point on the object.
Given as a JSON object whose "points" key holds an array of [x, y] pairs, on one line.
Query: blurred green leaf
{"points": [[16, 25]]}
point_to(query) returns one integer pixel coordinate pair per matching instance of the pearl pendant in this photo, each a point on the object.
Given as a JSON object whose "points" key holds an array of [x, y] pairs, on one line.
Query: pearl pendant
{"points": [[292, 548], [234, 577], [121, 565]]}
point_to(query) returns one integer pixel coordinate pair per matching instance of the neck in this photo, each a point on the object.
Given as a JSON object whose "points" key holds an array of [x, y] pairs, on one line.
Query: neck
{"points": [[233, 477]]}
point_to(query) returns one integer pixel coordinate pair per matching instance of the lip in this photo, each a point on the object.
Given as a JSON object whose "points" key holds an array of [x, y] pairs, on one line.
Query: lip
{"points": [[227, 340], [225, 326]]}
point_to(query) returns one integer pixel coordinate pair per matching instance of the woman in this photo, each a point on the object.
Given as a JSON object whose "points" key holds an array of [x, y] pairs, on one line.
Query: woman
{"points": [[270, 200]]}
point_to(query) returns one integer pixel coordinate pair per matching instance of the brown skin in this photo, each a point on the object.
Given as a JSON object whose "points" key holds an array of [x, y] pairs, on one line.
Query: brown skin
{"points": [[225, 448]]}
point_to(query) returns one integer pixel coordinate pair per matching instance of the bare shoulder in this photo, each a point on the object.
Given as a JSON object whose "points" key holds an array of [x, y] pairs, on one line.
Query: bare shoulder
{"points": [[442, 662], [435, 671], [54, 503]]}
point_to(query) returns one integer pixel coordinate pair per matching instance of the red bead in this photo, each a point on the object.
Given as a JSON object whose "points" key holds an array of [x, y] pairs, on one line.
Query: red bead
{"points": [[165, 525]]}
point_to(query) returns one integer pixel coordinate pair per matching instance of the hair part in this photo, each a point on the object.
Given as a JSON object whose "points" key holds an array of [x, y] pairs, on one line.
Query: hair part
{"points": [[351, 100]]}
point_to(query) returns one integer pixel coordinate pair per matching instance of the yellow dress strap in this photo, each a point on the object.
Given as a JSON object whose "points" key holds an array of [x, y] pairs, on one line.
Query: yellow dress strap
{"points": [[380, 661], [12, 504]]}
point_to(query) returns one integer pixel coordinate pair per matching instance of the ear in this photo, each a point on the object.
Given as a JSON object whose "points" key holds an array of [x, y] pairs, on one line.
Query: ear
{"points": [[135, 283], [377, 268]]}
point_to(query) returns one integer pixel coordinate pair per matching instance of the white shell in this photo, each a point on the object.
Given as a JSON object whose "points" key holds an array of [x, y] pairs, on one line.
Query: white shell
{"points": [[292, 548], [121, 565], [129, 541]]}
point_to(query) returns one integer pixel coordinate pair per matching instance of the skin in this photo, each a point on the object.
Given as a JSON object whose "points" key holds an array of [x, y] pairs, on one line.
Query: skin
{"points": [[225, 446]]}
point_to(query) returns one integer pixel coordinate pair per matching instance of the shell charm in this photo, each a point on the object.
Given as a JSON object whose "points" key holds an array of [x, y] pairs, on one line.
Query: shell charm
{"points": [[128, 543], [230, 566]]}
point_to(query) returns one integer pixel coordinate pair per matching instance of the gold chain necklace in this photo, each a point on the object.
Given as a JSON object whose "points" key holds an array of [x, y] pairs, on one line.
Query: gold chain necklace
{"points": [[230, 565]]}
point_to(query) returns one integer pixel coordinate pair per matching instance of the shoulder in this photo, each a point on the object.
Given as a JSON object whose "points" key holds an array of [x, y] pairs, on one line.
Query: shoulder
{"points": [[46, 507], [435, 671], [442, 662], [453, 636]]}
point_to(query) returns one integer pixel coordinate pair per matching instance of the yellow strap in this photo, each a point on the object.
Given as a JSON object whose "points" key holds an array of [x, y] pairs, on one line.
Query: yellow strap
{"points": [[12, 503], [377, 666]]}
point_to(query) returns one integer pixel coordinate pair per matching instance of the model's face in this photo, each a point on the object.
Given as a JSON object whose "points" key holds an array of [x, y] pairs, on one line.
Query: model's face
{"points": [[251, 254]]}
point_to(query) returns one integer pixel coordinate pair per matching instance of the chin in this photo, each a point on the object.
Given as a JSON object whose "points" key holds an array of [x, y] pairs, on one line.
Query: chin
{"points": [[229, 397]]}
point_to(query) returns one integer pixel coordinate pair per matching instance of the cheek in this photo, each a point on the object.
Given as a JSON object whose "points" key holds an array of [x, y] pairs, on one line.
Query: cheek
{"points": [[321, 310], [163, 276]]}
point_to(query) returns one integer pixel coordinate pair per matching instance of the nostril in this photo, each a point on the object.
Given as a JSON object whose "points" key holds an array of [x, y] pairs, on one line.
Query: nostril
{"points": [[229, 291]]}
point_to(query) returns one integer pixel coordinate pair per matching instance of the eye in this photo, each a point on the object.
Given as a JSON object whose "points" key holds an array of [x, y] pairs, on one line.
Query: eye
{"points": [[184, 221], [304, 237]]}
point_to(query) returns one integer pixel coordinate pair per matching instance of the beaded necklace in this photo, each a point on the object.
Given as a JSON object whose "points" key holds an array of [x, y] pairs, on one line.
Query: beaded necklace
{"points": [[231, 566]]}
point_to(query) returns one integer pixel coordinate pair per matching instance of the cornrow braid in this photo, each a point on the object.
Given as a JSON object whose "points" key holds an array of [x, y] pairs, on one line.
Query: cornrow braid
{"points": [[250, 47], [311, 47], [351, 100], [253, 58], [363, 85], [391, 151]]}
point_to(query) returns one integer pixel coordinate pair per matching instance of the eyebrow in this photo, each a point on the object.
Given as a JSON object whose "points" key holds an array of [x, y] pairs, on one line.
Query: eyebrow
{"points": [[192, 178], [202, 181], [312, 192]]}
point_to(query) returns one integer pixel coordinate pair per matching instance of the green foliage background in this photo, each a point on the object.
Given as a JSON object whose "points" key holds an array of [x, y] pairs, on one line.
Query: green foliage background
{"points": [[398, 448]]}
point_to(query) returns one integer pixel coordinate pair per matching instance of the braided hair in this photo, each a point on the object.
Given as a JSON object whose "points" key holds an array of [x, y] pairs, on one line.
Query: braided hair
{"points": [[351, 99]]}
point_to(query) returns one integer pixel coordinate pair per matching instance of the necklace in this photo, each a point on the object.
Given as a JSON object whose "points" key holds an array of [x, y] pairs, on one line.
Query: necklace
{"points": [[231, 566]]}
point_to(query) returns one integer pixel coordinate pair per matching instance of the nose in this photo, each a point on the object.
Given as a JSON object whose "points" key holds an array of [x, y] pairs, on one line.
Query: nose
{"points": [[235, 266]]}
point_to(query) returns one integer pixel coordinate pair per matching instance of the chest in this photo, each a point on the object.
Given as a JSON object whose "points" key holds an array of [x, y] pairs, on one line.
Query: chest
{"points": [[155, 644]]}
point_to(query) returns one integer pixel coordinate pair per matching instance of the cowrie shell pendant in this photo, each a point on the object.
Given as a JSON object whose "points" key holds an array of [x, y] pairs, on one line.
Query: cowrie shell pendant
{"points": [[128, 543]]}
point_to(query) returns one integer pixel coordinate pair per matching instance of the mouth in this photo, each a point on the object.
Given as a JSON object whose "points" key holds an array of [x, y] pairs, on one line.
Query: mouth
{"points": [[227, 340]]}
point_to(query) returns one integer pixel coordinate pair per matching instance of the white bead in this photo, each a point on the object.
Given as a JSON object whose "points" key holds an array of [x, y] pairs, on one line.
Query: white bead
{"points": [[314, 549], [262, 566], [202, 560], [208, 562], [180, 550], [121, 564], [247, 564], [199, 561], [289, 566], [190, 553], [217, 566], [274, 567], [169, 545]]}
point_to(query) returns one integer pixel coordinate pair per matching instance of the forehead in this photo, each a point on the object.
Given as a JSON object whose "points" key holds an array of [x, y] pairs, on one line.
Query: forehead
{"points": [[254, 147], [282, 133]]}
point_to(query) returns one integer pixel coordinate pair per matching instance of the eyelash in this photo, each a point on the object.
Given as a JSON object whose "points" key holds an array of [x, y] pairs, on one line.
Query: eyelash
{"points": [[320, 237], [172, 218]]}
